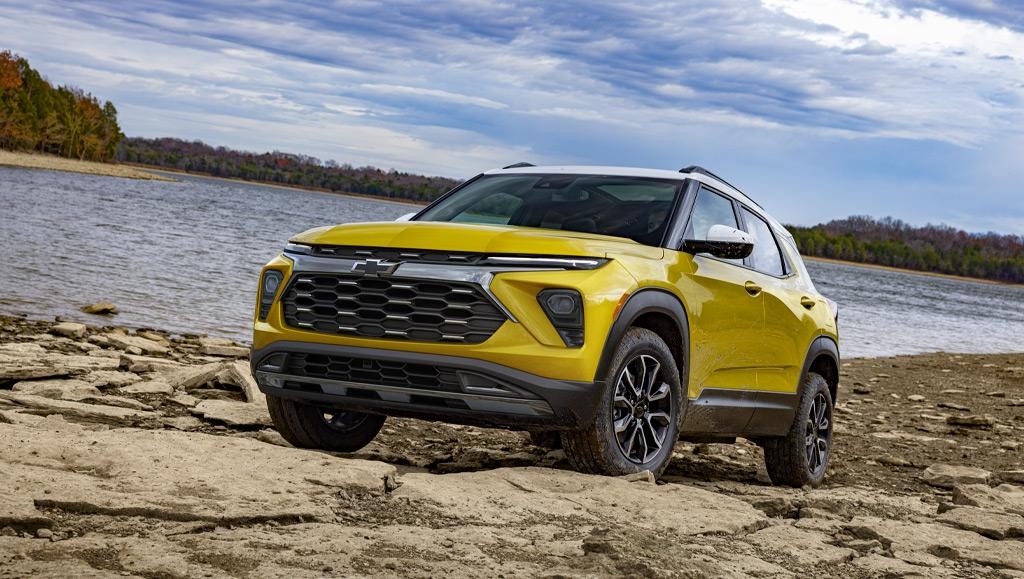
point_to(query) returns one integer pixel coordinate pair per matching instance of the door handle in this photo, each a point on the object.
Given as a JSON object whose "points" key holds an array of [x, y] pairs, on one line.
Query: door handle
{"points": [[752, 288], [807, 302]]}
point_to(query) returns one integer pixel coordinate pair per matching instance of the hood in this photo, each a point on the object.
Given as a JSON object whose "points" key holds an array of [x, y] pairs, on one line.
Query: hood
{"points": [[475, 238]]}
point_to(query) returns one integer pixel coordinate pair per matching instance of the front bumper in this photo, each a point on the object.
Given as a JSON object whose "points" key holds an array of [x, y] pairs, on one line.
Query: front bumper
{"points": [[472, 391]]}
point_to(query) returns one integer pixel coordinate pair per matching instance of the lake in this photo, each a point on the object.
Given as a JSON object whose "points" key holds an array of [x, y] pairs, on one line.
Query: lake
{"points": [[185, 256]]}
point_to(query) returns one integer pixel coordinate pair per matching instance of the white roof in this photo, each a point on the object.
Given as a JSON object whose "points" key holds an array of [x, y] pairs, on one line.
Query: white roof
{"points": [[650, 173]]}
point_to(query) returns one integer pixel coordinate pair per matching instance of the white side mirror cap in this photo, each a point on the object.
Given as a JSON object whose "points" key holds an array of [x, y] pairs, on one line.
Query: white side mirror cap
{"points": [[724, 242], [406, 217]]}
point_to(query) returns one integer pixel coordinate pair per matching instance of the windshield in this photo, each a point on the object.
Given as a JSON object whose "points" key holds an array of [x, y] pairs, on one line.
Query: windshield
{"points": [[633, 207]]}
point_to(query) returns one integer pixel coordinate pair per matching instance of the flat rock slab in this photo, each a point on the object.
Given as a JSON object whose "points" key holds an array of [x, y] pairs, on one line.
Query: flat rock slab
{"points": [[147, 346], [99, 412], [147, 387], [175, 476], [513, 495], [233, 413], [190, 377], [1006, 498], [805, 546], [949, 475], [992, 524], [931, 543]]}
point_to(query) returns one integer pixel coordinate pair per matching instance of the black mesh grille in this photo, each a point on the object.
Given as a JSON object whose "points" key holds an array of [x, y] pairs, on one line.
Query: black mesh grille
{"points": [[404, 309], [393, 255], [378, 372]]}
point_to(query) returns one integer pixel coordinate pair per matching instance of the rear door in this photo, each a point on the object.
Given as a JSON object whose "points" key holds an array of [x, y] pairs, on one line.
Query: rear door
{"points": [[726, 316]]}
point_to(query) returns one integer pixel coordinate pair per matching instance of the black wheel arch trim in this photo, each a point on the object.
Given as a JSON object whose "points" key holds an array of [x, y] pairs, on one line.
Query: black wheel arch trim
{"points": [[824, 346], [646, 301]]}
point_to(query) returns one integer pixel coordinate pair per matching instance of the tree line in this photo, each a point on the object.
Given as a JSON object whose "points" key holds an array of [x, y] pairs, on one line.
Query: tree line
{"points": [[283, 168], [63, 120], [933, 248]]}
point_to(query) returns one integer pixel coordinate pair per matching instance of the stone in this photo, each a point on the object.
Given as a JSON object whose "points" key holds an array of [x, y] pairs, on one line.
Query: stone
{"points": [[120, 401], [272, 437], [971, 421], [142, 344], [238, 374], [102, 413], [233, 413], [190, 377], [992, 524], [183, 399], [134, 363], [102, 308], [807, 547], [176, 476], [930, 544], [111, 378], [644, 476], [223, 348], [1005, 497], [152, 336], [915, 398], [69, 329], [147, 387], [1011, 476], [948, 475], [44, 533], [953, 406], [66, 389]]}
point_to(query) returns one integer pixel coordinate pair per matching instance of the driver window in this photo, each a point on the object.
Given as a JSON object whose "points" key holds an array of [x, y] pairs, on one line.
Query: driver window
{"points": [[709, 209]]}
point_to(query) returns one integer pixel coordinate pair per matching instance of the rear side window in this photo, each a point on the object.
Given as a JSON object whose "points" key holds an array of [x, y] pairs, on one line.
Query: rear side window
{"points": [[709, 209], [766, 256]]}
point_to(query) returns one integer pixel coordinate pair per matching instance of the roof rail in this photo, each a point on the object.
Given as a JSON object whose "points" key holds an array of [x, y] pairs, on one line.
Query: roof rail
{"points": [[518, 165], [703, 171]]}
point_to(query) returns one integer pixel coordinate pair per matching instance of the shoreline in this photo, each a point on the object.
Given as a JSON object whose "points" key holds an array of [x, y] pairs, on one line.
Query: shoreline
{"points": [[911, 271], [23, 160], [277, 185], [148, 454]]}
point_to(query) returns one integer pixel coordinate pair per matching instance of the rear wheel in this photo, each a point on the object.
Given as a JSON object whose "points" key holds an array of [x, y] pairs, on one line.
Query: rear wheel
{"points": [[802, 456], [308, 426], [637, 421]]}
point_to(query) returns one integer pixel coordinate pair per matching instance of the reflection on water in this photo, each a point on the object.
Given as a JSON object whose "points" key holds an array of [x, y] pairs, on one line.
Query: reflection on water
{"points": [[184, 257]]}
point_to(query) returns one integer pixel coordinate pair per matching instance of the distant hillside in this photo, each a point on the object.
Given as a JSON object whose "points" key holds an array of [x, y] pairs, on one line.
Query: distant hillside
{"points": [[283, 168], [65, 121], [933, 248]]}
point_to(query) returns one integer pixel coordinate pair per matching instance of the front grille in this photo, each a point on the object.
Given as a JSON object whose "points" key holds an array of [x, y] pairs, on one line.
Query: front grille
{"points": [[405, 309], [378, 372], [393, 255]]}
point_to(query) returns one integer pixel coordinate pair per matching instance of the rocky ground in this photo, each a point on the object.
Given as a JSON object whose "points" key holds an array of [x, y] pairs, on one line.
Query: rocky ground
{"points": [[135, 453]]}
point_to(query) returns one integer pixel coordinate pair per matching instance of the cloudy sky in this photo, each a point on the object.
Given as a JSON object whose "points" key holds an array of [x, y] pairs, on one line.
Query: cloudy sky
{"points": [[817, 108]]}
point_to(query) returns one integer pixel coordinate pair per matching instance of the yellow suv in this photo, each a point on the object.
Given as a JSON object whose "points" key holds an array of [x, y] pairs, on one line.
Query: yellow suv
{"points": [[615, 310]]}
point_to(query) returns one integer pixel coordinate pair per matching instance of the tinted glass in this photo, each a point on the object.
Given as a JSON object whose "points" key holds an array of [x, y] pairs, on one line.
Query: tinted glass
{"points": [[709, 209], [766, 256], [632, 207]]}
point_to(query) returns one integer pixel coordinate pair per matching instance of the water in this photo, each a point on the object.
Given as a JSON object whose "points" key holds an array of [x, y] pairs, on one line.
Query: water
{"points": [[185, 256]]}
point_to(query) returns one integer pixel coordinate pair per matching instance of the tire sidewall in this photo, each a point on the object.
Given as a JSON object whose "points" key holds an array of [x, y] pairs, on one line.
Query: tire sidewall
{"points": [[815, 384], [639, 341]]}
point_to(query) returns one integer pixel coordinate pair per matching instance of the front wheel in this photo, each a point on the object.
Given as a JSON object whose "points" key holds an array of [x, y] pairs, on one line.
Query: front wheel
{"points": [[802, 456], [637, 421], [308, 426]]}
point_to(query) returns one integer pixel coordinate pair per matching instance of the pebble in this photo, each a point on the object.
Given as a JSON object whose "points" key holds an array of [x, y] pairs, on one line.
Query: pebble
{"points": [[915, 398], [44, 533]]}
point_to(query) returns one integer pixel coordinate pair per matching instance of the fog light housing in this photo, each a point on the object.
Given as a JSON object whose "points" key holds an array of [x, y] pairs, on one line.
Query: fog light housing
{"points": [[269, 285], [564, 308]]}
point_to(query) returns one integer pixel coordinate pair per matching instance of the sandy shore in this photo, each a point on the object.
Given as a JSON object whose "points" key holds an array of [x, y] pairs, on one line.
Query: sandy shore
{"points": [[147, 455], [52, 163]]}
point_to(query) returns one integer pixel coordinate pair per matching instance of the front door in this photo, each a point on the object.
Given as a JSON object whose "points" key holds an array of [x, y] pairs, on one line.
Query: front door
{"points": [[726, 311]]}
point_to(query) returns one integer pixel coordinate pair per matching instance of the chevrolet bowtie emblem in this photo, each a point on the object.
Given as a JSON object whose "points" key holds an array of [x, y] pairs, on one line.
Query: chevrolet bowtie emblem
{"points": [[375, 267]]}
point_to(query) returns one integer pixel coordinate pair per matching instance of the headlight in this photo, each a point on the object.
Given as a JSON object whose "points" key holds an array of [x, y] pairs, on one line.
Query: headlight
{"points": [[298, 248], [269, 285], [564, 307]]}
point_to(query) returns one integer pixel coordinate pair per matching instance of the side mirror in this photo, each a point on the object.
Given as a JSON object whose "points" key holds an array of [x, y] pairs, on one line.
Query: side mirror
{"points": [[724, 242], [406, 217]]}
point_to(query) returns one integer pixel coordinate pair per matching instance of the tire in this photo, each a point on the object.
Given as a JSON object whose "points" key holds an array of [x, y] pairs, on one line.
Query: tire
{"points": [[653, 414], [789, 459], [308, 426]]}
